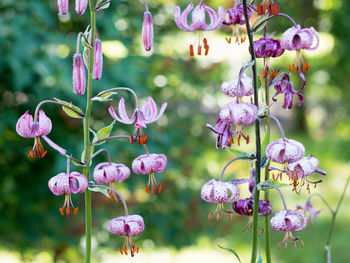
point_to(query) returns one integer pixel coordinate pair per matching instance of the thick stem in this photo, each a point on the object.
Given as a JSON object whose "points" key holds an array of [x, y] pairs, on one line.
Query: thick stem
{"points": [[87, 148], [328, 242], [257, 139]]}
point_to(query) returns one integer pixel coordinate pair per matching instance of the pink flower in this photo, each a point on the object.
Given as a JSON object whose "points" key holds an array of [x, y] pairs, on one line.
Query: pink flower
{"points": [[296, 38], [199, 21], [128, 226], [245, 88], [305, 167], [309, 209], [267, 47], [285, 151], [67, 184], [80, 6], [108, 173], [98, 60], [150, 164], [224, 133], [288, 221], [148, 114], [28, 128], [147, 31], [62, 6], [79, 78], [219, 193]]}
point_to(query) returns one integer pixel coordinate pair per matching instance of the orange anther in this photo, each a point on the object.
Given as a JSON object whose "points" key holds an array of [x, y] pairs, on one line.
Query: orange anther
{"points": [[67, 211], [30, 154], [293, 68], [289, 68], [139, 139], [145, 137], [121, 251], [230, 216], [210, 216], [199, 51], [131, 139], [264, 8], [206, 50], [137, 249], [305, 66], [236, 39], [248, 139], [159, 188], [62, 211], [277, 9], [205, 41], [228, 40], [75, 210], [107, 199], [230, 141], [243, 39], [146, 189], [152, 189], [259, 9], [218, 217], [125, 251], [191, 51], [239, 140]]}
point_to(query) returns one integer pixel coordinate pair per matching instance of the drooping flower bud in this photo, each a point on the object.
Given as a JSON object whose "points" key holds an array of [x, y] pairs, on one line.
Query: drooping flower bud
{"points": [[80, 6], [231, 88], [245, 207], [285, 150], [268, 47], [98, 60], [79, 77], [147, 31], [235, 15], [62, 6]]}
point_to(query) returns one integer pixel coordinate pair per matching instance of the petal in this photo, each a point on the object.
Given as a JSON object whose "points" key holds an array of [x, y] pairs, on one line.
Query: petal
{"points": [[77, 183], [181, 19], [314, 32], [45, 124], [59, 184], [24, 125], [161, 111]]}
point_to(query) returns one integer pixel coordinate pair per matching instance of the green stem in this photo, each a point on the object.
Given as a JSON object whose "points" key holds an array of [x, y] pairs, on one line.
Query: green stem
{"points": [[328, 242], [87, 148], [257, 139]]}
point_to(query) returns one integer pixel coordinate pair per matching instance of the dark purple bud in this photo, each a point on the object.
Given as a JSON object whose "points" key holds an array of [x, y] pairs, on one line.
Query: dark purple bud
{"points": [[79, 78], [268, 47], [236, 15], [98, 60], [80, 6], [147, 31], [245, 207]]}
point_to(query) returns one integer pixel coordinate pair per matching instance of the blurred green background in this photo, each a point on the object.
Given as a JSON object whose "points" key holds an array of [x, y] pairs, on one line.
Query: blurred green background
{"points": [[37, 46]]}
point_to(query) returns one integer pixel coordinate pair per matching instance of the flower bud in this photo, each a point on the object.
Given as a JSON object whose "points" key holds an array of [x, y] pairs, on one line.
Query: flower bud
{"points": [[147, 31], [79, 78], [80, 6], [62, 6], [98, 60]]}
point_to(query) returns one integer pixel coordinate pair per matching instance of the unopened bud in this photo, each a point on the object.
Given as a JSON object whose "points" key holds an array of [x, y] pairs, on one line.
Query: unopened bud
{"points": [[79, 78], [62, 6], [80, 6], [98, 60], [147, 31]]}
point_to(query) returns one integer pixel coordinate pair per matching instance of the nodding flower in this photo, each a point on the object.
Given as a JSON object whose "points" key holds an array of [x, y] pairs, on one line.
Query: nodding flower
{"points": [[79, 77], [308, 208], [239, 114], [150, 164], [128, 226], [285, 86], [297, 39], [80, 6], [288, 221], [224, 133], [232, 89], [235, 17], [148, 114], [199, 23], [67, 184], [268, 7], [28, 128], [267, 48], [147, 31], [220, 193], [109, 173], [98, 60]]}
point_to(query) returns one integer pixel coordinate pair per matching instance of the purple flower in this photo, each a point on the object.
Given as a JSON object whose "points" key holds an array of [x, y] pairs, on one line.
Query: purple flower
{"points": [[62, 6], [218, 192], [245, 207], [296, 38], [231, 88], [224, 133], [285, 86], [67, 184], [79, 78], [288, 221], [80, 6], [305, 167], [147, 31], [309, 209], [28, 128], [267, 47], [98, 60], [284, 151], [150, 164], [128, 226], [148, 114], [108, 173], [199, 21], [236, 15]]}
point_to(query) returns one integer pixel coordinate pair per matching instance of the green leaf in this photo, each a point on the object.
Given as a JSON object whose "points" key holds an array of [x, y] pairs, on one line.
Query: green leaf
{"points": [[264, 144], [70, 112], [83, 155], [260, 260], [99, 190], [237, 153], [267, 185], [104, 96], [76, 163], [103, 133], [232, 251]]}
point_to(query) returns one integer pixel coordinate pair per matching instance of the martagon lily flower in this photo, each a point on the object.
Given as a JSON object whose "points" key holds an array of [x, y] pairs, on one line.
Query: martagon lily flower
{"points": [[150, 164], [233, 89], [128, 226], [147, 115], [309, 209], [109, 173], [28, 128], [67, 184], [199, 22]]}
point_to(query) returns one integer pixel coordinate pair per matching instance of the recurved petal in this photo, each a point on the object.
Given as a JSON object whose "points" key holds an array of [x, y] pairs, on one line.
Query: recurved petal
{"points": [[24, 126], [45, 124], [59, 184], [77, 183], [181, 19]]}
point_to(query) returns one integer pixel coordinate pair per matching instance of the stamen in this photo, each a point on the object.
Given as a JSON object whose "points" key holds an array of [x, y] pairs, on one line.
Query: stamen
{"points": [[146, 189], [218, 217], [75, 210], [243, 39], [30, 154], [210, 216], [125, 251], [239, 140], [228, 40], [137, 249], [248, 139], [62, 211], [305, 66], [131, 140], [121, 251], [191, 51], [159, 188], [206, 47], [199, 51], [152, 189], [259, 9], [236, 41]]}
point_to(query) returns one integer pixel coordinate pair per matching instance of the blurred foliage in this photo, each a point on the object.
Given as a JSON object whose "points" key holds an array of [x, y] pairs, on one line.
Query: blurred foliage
{"points": [[36, 61]]}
